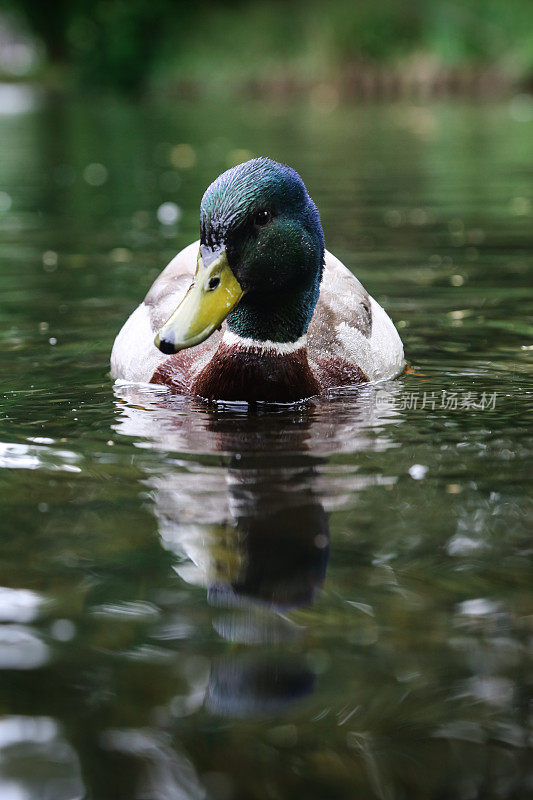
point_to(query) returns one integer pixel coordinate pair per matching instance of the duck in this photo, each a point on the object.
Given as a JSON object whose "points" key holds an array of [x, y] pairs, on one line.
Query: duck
{"points": [[257, 310]]}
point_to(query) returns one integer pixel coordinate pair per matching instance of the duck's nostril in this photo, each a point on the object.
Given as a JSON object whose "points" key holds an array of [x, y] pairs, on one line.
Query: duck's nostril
{"points": [[213, 283], [166, 345]]}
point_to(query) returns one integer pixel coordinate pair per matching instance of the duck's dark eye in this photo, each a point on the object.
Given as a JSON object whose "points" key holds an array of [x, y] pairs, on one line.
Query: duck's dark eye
{"points": [[262, 218], [213, 283]]}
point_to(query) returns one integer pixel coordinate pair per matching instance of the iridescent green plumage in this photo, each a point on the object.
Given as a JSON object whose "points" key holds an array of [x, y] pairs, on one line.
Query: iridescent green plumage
{"points": [[278, 264]]}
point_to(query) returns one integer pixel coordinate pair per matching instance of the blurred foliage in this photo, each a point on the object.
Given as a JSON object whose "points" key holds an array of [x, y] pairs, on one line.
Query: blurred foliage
{"points": [[108, 43], [128, 43]]}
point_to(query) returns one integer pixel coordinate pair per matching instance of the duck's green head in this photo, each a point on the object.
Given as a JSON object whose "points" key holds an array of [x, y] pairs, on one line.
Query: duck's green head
{"points": [[260, 261]]}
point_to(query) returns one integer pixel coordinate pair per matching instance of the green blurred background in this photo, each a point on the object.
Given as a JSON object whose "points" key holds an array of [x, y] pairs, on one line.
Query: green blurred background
{"points": [[353, 47]]}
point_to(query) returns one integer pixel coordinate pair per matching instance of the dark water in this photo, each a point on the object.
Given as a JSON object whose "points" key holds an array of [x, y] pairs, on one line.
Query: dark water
{"points": [[329, 602]]}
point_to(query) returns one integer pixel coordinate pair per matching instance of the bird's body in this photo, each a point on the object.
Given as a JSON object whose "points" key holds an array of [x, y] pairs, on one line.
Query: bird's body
{"points": [[290, 334], [350, 338]]}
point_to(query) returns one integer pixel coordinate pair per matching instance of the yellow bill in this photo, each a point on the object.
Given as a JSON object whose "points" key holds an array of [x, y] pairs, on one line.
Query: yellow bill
{"points": [[209, 300]]}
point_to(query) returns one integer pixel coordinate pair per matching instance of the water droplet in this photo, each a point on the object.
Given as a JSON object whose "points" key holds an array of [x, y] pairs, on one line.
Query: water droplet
{"points": [[49, 260], [63, 630], [95, 174], [5, 201], [168, 213], [183, 156], [418, 472]]}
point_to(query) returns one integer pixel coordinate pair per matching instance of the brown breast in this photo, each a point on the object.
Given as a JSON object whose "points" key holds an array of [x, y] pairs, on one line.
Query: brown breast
{"points": [[254, 374]]}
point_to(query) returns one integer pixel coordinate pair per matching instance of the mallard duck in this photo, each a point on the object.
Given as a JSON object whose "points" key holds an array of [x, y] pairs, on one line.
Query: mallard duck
{"points": [[270, 314]]}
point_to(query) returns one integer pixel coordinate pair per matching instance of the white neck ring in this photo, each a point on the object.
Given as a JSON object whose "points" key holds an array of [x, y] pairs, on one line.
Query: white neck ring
{"points": [[266, 345]]}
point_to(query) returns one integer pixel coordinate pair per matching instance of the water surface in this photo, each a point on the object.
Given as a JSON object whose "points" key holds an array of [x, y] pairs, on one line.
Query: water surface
{"points": [[332, 601]]}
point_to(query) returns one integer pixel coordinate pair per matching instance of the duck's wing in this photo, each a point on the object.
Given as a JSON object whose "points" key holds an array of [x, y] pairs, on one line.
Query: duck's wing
{"points": [[134, 356], [349, 324]]}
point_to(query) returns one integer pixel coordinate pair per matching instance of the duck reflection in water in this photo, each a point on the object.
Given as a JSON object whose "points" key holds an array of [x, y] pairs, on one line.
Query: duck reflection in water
{"points": [[280, 536], [254, 533], [259, 543]]}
